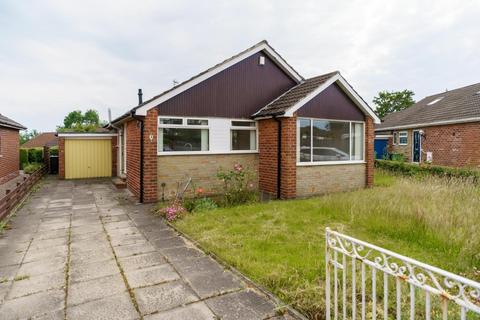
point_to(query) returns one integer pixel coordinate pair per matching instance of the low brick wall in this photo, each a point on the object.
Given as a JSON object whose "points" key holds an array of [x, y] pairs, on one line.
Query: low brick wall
{"points": [[14, 196], [203, 169], [316, 180]]}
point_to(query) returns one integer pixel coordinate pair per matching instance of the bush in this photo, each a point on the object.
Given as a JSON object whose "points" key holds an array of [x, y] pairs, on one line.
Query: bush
{"points": [[35, 155], [54, 151], [410, 169], [32, 167], [239, 187], [397, 157], [173, 211], [23, 157], [200, 204]]}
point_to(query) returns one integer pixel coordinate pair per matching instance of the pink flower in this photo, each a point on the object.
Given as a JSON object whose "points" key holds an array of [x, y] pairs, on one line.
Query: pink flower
{"points": [[238, 167], [200, 190]]}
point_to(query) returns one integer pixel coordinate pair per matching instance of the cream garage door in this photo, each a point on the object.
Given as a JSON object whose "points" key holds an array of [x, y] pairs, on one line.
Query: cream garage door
{"points": [[88, 158]]}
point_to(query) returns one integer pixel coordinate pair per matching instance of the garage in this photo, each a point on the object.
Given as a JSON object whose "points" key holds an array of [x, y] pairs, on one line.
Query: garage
{"points": [[87, 155]]}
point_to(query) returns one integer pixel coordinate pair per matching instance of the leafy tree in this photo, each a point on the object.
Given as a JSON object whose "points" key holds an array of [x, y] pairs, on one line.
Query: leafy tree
{"points": [[81, 122], [388, 102], [28, 135]]}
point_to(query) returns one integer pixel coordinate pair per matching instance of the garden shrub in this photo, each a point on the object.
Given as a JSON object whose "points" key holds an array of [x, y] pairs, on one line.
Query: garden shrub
{"points": [[238, 185], [173, 211], [31, 167], [23, 157], [54, 151], [35, 155], [200, 204], [410, 169], [397, 157]]}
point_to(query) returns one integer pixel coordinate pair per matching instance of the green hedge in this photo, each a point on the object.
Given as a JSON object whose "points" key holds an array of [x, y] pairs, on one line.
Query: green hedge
{"points": [[54, 151], [33, 155], [410, 169], [23, 158]]}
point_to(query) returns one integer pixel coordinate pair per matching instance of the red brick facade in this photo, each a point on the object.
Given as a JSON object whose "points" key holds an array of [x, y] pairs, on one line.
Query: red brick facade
{"points": [[369, 150], [268, 154], [150, 178], [9, 154], [455, 145], [133, 156]]}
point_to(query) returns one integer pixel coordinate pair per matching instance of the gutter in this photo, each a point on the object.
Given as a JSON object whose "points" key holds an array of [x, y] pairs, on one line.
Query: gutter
{"points": [[279, 156]]}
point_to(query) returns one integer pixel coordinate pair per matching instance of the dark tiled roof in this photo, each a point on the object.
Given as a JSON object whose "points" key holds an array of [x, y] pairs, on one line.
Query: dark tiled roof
{"points": [[202, 73], [43, 139], [287, 100], [7, 122], [455, 105], [97, 130]]}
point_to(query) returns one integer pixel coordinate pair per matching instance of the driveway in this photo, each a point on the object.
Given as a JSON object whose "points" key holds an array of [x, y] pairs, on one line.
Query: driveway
{"points": [[84, 250]]}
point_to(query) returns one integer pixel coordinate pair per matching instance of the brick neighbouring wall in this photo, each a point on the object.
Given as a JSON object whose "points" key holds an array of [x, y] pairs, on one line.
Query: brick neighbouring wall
{"points": [[202, 169], [267, 145], [150, 156], [9, 154], [455, 145], [133, 156], [318, 180], [61, 157], [369, 150], [114, 156], [46, 157]]}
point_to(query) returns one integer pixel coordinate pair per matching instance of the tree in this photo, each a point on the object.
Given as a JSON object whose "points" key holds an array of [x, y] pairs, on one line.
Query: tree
{"points": [[28, 135], [81, 122], [388, 102]]}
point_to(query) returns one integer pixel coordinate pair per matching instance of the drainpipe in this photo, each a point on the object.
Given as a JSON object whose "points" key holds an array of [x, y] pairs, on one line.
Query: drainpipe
{"points": [[279, 156], [141, 120]]}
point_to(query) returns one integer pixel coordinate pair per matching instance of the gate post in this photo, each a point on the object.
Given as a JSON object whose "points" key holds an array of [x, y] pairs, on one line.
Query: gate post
{"points": [[327, 275]]}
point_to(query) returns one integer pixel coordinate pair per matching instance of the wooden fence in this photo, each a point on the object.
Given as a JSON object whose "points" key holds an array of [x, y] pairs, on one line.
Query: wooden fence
{"points": [[13, 197]]}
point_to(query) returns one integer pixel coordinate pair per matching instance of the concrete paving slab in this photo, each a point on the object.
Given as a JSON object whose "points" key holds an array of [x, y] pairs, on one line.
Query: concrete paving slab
{"points": [[47, 243], [85, 257], [10, 259], [8, 272], [182, 253], [194, 311], [133, 249], [4, 288], [212, 283], [151, 276], [61, 233], [89, 271], [110, 308], [33, 305], [244, 305], [90, 245], [34, 254], [43, 266], [167, 243], [34, 284], [117, 241], [142, 261], [163, 297], [82, 292]]}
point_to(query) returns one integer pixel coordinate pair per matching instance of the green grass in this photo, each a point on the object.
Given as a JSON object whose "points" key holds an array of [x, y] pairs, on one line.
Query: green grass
{"points": [[280, 244]]}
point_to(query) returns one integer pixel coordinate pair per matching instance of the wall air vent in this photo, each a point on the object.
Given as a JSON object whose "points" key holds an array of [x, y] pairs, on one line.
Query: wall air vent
{"points": [[261, 60]]}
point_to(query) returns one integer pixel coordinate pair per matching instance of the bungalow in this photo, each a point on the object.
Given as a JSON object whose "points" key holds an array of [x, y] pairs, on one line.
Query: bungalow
{"points": [[300, 137], [443, 129], [9, 148], [45, 139]]}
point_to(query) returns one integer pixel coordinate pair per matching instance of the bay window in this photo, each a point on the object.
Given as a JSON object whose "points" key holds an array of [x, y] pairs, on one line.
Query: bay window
{"points": [[328, 140], [182, 135], [243, 135]]}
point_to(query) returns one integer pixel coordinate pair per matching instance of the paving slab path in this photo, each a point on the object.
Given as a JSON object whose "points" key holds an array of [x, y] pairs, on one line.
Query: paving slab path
{"points": [[84, 250]]}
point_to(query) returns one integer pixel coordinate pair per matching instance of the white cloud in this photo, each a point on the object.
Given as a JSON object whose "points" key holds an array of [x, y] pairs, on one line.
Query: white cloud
{"points": [[59, 55]]}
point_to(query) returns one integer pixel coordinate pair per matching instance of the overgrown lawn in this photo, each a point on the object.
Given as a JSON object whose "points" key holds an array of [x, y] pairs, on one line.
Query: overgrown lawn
{"points": [[280, 244]]}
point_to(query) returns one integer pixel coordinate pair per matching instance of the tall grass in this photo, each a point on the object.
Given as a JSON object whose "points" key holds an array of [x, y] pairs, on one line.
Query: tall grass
{"points": [[280, 244]]}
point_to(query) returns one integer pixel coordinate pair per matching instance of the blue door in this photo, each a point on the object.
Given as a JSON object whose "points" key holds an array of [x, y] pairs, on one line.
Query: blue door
{"points": [[380, 148], [417, 146]]}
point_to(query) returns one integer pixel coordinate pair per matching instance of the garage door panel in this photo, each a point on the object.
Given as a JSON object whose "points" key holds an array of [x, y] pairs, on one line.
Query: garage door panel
{"points": [[88, 158]]}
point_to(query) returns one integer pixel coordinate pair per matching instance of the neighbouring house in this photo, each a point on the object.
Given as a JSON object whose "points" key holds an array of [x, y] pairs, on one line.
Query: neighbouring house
{"points": [[45, 139], [9, 148], [300, 137], [443, 129]]}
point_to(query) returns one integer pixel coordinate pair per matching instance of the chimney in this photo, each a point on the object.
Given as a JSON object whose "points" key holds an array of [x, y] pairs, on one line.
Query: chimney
{"points": [[140, 94]]}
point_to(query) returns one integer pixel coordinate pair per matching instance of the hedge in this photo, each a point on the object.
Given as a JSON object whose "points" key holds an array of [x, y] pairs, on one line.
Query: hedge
{"points": [[33, 155], [410, 169]]}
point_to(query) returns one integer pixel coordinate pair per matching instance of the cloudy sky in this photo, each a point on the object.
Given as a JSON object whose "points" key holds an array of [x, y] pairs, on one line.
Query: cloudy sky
{"points": [[60, 55]]}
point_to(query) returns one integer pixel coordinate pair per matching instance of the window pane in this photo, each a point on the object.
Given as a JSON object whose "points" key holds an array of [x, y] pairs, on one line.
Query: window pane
{"points": [[197, 122], [331, 140], [357, 141], [170, 121], [243, 124], [244, 140], [183, 139], [403, 138], [305, 140]]}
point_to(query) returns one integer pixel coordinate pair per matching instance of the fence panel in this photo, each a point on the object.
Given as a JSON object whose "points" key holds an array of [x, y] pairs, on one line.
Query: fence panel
{"points": [[364, 281]]}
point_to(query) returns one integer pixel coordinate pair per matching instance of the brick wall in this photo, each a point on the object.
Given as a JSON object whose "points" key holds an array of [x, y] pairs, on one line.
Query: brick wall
{"points": [[150, 157], [317, 180], [61, 157], [267, 145], [455, 145], [9, 154], [406, 150], [133, 156], [369, 150], [174, 170]]}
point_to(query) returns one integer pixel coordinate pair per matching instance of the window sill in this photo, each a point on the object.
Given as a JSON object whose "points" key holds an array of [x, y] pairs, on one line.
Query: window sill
{"points": [[193, 153], [328, 163]]}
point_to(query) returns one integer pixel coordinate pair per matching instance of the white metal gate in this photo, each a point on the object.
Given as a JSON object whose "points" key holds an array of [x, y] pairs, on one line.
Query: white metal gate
{"points": [[368, 282]]}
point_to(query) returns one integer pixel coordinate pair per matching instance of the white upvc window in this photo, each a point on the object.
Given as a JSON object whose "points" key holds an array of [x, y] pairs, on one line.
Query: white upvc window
{"points": [[243, 135], [403, 138], [322, 141], [183, 134]]}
